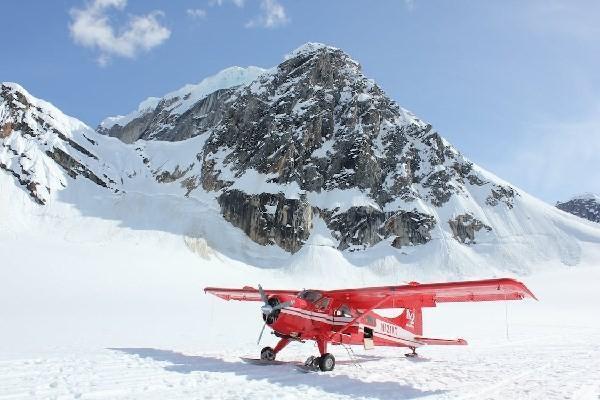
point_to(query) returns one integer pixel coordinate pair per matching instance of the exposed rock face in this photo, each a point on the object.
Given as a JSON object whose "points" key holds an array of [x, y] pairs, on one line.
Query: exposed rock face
{"points": [[585, 206], [313, 126], [168, 176], [73, 167], [362, 227], [6, 130], [273, 219], [465, 226], [39, 145], [501, 193], [269, 218], [163, 124], [319, 123]]}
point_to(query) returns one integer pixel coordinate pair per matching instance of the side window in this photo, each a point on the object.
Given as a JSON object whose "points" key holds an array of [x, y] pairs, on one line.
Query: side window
{"points": [[370, 320], [322, 304], [343, 311]]}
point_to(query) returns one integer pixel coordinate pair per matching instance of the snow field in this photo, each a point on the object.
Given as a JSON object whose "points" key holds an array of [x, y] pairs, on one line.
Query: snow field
{"points": [[113, 308]]}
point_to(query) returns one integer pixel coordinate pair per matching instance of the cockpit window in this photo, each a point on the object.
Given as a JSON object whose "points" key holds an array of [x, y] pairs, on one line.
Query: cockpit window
{"points": [[310, 296], [322, 303], [343, 311]]}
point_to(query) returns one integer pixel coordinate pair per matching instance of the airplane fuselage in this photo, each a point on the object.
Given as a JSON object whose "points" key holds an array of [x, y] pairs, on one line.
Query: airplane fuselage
{"points": [[340, 325]]}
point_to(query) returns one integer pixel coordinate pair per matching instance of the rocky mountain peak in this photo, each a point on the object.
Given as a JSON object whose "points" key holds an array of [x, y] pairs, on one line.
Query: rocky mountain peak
{"points": [[325, 62], [315, 138]]}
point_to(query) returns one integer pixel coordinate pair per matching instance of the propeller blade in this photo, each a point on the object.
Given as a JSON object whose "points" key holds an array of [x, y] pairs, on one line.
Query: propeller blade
{"points": [[261, 333], [282, 305], [263, 296]]}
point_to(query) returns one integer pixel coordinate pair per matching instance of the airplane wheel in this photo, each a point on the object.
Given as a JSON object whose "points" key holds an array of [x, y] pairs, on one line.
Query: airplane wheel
{"points": [[326, 362], [267, 354]]}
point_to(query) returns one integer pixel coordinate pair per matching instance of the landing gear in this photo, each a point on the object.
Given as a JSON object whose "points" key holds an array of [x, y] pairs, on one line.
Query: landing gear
{"points": [[312, 362], [267, 354], [413, 354], [326, 362]]}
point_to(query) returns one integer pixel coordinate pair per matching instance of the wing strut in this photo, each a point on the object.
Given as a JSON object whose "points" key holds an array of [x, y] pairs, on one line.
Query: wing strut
{"points": [[368, 310]]}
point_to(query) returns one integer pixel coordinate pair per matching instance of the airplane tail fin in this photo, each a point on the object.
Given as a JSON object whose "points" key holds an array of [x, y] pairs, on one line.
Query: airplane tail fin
{"points": [[411, 319]]}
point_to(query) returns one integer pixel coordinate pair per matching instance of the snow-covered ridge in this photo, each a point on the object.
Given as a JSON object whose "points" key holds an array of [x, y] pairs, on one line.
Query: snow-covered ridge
{"points": [[309, 47], [48, 110], [586, 196], [182, 99], [42, 148]]}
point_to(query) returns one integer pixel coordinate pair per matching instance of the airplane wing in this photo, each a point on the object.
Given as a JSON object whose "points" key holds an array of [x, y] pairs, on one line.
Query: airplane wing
{"points": [[246, 293], [429, 294]]}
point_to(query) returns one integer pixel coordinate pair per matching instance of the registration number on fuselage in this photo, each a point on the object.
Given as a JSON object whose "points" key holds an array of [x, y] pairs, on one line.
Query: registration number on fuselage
{"points": [[387, 328]]}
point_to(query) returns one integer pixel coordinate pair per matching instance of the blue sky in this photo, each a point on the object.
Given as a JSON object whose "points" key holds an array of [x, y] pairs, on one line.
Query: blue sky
{"points": [[514, 85]]}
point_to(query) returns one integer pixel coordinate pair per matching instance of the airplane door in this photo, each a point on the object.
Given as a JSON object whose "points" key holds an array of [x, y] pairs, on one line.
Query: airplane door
{"points": [[368, 338]]}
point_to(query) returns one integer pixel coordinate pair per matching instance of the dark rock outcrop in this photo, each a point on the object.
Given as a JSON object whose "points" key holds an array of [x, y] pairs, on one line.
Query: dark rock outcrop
{"points": [[465, 226], [362, 227], [268, 218], [502, 194], [273, 219], [161, 123], [585, 206]]}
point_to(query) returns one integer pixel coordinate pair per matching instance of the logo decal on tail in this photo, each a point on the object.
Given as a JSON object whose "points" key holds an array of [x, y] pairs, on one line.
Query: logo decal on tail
{"points": [[410, 318]]}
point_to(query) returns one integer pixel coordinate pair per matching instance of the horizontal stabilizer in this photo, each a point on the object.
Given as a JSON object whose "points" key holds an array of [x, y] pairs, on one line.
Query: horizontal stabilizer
{"points": [[442, 342]]}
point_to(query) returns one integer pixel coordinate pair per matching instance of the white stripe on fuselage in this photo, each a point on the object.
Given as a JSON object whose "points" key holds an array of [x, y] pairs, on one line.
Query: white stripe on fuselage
{"points": [[314, 316]]}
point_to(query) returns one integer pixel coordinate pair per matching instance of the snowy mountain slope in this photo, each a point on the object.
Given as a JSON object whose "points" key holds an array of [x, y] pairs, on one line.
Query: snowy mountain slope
{"points": [[586, 206], [314, 136], [412, 203], [314, 142]]}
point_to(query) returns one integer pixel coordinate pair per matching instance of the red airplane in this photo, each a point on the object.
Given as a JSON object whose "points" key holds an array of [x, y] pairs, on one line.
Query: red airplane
{"points": [[347, 316]]}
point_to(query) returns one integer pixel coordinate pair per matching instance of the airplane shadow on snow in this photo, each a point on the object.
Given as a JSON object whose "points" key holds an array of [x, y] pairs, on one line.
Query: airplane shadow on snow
{"points": [[280, 374]]}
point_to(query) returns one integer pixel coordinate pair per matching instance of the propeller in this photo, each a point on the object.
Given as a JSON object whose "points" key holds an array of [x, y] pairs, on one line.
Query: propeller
{"points": [[270, 310]]}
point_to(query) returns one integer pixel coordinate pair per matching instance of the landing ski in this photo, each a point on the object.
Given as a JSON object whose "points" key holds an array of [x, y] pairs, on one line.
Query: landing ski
{"points": [[258, 361], [307, 368]]}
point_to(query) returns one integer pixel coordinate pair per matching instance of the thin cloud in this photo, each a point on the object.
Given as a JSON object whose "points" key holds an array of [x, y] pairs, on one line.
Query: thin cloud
{"points": [[273, 15], [196, 13], [562, 17], [239, 3], [91, 27], [557, 158]]}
